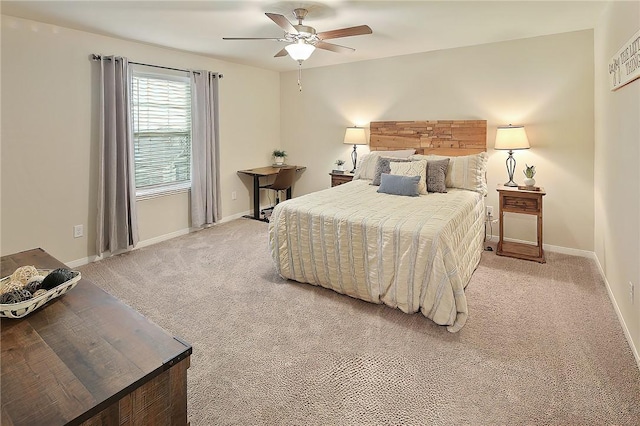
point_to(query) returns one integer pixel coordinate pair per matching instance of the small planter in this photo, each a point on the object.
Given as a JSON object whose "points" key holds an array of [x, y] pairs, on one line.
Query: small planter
{"points": [[529, 173], [278, 157]]}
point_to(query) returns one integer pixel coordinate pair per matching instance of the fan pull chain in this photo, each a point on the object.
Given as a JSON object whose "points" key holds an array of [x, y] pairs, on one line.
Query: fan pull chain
{"points": [[300, 75]]}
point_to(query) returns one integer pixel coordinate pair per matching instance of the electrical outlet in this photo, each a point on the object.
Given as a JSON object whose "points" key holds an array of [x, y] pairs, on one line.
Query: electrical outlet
{"points": [[78, 231], [234, 195], [631, 292], [489, 211]]}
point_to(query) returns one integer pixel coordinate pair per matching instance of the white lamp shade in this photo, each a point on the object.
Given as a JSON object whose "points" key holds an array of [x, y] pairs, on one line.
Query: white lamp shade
{"points": [[355, 136], [511, 137], [300, 51]]}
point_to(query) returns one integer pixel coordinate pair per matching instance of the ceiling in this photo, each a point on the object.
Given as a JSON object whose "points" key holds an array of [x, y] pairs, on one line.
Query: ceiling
{"points": [[399, 27]]}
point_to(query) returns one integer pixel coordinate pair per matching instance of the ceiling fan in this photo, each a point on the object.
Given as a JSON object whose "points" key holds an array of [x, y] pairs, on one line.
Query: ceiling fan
{"points": [[303, 39]]}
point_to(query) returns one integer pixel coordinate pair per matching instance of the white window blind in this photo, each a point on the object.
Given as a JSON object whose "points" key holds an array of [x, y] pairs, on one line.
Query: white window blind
{"points": [[161, 107]]}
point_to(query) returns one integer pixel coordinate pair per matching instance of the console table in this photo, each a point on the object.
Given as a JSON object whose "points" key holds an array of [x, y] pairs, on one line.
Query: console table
{"points": [[86, 358]]}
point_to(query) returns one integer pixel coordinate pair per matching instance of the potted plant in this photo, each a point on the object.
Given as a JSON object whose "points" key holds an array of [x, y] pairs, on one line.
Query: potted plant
{"points": [[340, 165], [529, 173], [279, 156]]}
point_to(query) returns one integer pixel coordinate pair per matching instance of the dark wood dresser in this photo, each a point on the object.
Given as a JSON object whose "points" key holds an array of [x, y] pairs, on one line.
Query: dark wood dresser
{"points": [[86, 358]]}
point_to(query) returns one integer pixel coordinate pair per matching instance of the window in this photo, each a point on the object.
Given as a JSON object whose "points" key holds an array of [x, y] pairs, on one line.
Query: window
{"points": [[161, 108]]}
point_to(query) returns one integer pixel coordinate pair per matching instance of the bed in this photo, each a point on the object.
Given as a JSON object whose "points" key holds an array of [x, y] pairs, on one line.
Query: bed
{"points": [[413, 253]]}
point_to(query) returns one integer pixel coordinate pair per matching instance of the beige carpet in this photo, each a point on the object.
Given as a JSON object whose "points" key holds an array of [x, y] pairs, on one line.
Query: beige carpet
{"points": [[542, 344]]}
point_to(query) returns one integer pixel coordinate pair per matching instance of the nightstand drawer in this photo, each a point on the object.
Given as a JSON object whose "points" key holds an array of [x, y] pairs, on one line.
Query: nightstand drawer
{"points": [[520, 204], [340, 178]]}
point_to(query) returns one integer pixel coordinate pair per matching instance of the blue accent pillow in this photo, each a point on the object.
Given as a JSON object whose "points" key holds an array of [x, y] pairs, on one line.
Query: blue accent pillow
{"points": [[399, 185]]}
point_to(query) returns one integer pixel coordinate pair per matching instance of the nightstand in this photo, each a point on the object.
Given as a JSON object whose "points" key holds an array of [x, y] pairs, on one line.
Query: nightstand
{"points": [[340, 178], [522, 201]]}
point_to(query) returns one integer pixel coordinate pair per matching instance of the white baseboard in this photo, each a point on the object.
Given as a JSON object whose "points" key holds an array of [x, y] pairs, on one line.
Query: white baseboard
{"points": [[552, 248], [625, 329], [145, 243], [85, 260], [80, 262], [236, 216], [569, 251], [161, 238]]}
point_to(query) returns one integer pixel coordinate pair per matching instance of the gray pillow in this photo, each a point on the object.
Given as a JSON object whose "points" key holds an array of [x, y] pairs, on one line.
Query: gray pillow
{"points": [[436, 175], [399, 185], [382, 166]]}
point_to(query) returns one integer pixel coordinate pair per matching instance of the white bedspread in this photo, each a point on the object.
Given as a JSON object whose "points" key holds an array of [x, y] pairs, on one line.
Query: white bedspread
{"points": [[410, 253]]}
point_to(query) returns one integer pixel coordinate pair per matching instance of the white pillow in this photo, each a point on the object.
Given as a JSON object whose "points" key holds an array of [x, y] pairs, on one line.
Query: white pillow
{"points": [[366, 166], [465, 172], [412, 168]]}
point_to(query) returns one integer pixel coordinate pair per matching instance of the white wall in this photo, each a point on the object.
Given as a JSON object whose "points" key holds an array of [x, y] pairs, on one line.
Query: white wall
{"points": [[545, 83], [617, 176], [49, 136]]}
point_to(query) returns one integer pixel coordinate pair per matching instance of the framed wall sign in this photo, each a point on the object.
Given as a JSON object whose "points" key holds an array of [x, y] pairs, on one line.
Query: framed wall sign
{"points": [[624, 66]]}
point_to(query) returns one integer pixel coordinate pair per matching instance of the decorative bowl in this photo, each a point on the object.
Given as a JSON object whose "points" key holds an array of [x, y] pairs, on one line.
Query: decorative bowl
{"points": [[21, 309]]}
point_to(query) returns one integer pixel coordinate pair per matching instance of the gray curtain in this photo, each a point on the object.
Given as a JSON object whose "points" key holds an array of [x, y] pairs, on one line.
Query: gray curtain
{"points": [[117, 221], [205, 149]]}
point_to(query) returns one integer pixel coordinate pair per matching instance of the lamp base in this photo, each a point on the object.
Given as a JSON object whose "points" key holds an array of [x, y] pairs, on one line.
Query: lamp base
{"points": [[354, 158], [511, 167]]}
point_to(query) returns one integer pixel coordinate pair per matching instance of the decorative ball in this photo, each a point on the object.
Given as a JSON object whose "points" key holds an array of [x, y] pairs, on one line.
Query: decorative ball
{"points": [[39, 292], [56, 277], [15, 296], [4, 298], [11, 285], [23, 274], [38, 278], [34, 284]]}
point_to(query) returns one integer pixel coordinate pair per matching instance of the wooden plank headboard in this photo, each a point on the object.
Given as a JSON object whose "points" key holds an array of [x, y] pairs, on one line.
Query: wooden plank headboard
{"points": [[441, 137]]}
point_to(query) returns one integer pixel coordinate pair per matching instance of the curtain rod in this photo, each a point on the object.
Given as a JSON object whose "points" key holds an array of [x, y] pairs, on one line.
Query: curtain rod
{"points": [[95, 57]]}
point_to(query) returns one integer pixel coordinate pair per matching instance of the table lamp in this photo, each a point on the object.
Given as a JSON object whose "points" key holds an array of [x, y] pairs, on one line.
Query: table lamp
{"points": [[511, 138], [355, 136]]}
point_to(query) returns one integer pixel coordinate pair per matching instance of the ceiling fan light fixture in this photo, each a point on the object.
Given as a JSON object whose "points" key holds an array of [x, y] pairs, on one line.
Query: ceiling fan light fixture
{"points": [[300, 51]]}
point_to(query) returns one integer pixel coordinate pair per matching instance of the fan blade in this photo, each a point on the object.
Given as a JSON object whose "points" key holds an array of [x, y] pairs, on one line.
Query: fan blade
{"points": [[282, 22], [345, 32], [283, 52], [334, 47], [253, 38]]}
